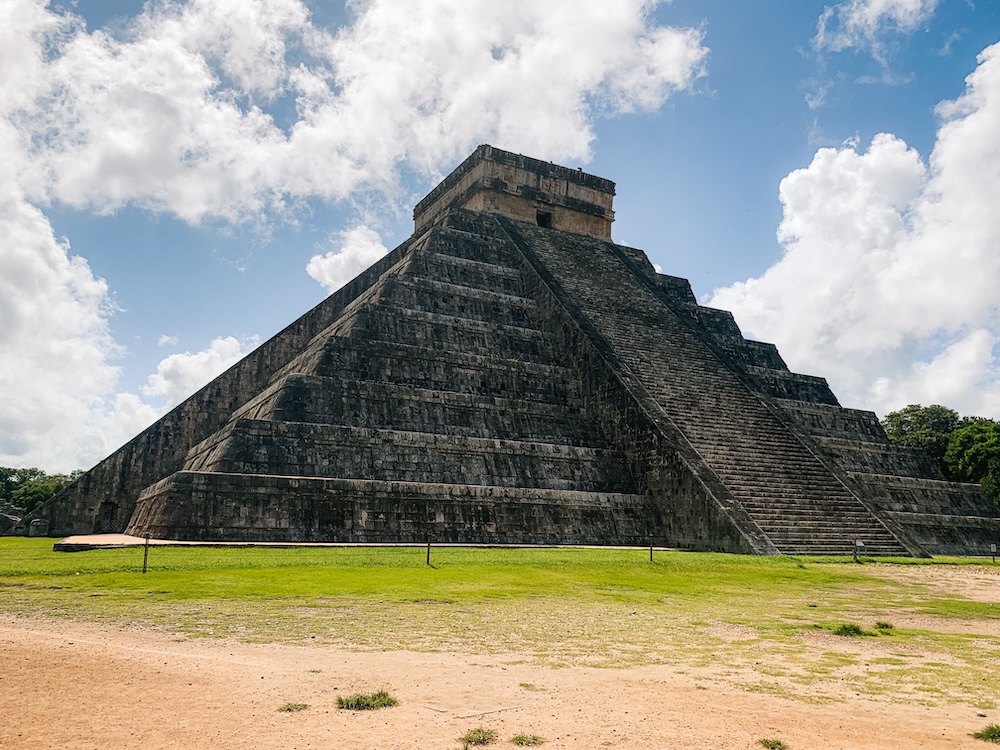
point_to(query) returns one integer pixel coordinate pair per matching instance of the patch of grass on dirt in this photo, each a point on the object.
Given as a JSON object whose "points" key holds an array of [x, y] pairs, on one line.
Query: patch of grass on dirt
{"points": [[527, 740], [772, 744], [366, 701], [849, 630], [990, 733], [290, 708], [478, 736]]}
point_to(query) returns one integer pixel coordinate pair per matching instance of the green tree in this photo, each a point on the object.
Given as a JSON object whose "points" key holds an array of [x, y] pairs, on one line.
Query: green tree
{"points": [[928, 428], [11, 479], [29, 488], [973, 454], [29, 495]]}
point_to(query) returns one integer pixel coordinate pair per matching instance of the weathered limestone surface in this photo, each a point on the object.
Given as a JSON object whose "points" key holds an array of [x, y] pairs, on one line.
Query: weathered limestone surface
{"points": [[788, 492], [900, 486], [526, 189], [431, 406], [103, 499], [508, 375], [203, 506]]}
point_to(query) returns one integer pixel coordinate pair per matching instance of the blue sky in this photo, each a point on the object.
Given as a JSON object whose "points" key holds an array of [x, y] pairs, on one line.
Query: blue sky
{"points": [[187, 178]]}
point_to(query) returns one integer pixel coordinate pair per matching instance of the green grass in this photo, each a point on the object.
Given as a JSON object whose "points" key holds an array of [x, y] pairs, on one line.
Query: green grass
{"points": [[366, 701], [990, 733], [849, 630], [478, 736], [527, 740], [290, 708], [596, 607], [773, 744]]}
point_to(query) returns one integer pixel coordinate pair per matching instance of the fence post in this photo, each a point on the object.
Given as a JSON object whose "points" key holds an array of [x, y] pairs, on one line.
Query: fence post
{"points": [[428, 549], [145, 555]]}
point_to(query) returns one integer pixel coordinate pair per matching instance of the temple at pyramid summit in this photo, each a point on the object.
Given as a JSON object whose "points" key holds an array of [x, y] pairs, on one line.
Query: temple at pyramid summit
{"points": [[509, 375]]}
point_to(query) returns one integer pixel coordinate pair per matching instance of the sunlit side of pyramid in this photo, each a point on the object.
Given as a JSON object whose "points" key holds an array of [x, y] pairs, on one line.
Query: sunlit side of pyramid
{"points": [[509, 375]]}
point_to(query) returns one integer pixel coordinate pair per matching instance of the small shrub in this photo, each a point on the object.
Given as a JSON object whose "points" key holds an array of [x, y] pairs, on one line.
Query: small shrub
{"points": [[884, 626], [989, 734], [290, 708], [478, 736], [849, 630], [526, 740], [773, 745], [366, 701]]}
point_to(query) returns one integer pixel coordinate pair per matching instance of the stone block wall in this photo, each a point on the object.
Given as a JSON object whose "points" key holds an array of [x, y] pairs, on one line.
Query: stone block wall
{"points": [[160, 449], [751, 458], [445, 395], [198, 506], [496, 181]]}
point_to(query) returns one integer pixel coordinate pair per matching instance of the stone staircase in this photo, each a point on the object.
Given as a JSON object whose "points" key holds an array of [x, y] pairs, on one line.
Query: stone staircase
{"points": [[792, 496]]}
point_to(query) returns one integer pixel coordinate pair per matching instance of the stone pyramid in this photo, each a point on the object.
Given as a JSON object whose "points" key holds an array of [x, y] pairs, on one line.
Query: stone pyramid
{"points": [[509, 375]]}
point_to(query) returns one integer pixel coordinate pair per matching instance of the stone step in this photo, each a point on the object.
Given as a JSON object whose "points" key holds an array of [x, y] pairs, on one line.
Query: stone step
{"points": [[804, 509], [378, 405], [814, 520], [759, 473], [799, 516], [845, 525], [297, 449], [465, 272], [790, 533], [866, 457], [446, 370], [807, 506], [386, 322], [751, 451], [279, 508], [460, 243], [420, 293]]}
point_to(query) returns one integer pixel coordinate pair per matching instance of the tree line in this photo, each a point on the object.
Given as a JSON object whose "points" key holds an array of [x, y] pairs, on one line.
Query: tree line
{"points": [[26, 489], [966, 449]]}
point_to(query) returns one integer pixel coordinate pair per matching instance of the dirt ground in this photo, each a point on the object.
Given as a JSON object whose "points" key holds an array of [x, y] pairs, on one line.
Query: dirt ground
{"points": [[70, 685]]}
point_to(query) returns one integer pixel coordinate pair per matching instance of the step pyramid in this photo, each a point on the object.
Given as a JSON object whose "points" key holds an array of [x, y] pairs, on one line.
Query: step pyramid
{"points": [[509, 375]]}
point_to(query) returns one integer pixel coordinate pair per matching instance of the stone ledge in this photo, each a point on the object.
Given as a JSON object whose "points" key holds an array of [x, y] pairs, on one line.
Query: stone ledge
{"points": [[943, 519]]}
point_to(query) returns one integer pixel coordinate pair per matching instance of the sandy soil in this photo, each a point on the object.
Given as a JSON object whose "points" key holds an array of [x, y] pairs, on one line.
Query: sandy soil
{"points": [[72, 685]]}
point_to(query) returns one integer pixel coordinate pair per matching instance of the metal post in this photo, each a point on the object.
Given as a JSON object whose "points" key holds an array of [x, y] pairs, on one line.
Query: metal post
{"points": [[428, 549], [993, 553], [651, 548], [145, 556]]}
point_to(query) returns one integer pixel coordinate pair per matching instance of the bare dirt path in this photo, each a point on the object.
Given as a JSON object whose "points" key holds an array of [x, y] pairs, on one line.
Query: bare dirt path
{"points": [[70, 685]]}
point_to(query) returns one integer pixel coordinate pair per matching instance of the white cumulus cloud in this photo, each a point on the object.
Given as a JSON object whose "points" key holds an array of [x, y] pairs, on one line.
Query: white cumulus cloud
{"points": [[180, 375], [357, 249], [241, 110], [176, 114], [860, 24], [888, 281], [55, 344]]}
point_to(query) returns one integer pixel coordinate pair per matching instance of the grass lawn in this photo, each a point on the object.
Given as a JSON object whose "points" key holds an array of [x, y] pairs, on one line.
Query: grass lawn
{"points": [[767, 621]]}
